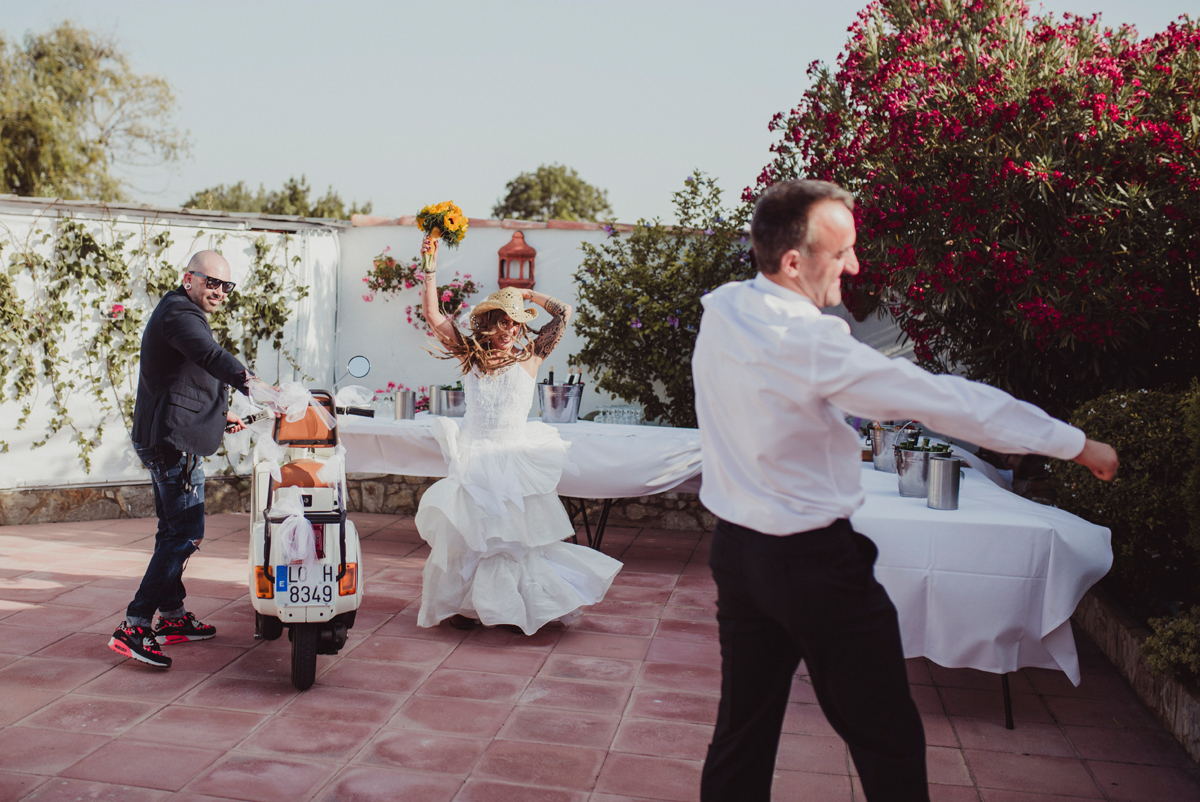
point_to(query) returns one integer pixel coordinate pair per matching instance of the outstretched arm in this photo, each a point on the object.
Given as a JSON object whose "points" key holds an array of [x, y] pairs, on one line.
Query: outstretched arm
{"points": [[438, 323], [552, 333]]}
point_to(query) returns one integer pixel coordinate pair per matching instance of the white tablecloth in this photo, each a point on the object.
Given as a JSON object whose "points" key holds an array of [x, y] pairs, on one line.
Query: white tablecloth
{"points": [[991, 585]]}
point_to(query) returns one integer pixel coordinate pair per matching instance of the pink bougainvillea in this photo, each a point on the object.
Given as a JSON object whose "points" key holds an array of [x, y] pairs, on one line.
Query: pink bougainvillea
{"points": [[1028, 190], [392, 277]]}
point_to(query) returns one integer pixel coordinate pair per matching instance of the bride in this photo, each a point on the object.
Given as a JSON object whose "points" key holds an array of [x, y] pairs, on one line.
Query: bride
{"points": [[495, 525]]}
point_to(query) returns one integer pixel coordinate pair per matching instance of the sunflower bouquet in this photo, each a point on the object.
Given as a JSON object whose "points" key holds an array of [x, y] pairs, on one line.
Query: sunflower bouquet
{"points": [[443, 222]]}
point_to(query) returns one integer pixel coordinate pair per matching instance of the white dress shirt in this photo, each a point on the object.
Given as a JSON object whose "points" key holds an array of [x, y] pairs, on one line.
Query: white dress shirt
{"points": [[774, 377]]}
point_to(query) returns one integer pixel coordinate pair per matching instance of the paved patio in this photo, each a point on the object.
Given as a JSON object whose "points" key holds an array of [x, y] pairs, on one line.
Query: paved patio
{"points": [[617, 708]]}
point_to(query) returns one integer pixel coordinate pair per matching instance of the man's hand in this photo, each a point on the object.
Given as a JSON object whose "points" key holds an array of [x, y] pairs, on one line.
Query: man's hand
{"points": [[234, 423], [1100, 459]]}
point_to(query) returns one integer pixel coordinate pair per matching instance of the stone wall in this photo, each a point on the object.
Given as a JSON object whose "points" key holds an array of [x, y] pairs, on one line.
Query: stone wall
{"points": [[369, 492], [1120, 637]]}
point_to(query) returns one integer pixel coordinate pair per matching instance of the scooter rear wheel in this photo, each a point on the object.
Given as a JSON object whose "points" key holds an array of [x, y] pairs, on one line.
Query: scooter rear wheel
{"points": [[304, 655]]}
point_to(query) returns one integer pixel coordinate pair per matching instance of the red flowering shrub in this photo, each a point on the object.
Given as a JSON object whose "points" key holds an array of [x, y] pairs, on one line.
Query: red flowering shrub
{"points": [[1028, 190]]}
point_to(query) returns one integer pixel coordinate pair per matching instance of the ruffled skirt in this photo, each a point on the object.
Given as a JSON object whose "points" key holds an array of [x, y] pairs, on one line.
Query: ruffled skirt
{"points": [[495, 529]]}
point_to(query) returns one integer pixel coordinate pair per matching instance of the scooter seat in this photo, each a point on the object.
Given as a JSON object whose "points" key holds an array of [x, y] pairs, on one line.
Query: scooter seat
{"points": [[301, 473]]}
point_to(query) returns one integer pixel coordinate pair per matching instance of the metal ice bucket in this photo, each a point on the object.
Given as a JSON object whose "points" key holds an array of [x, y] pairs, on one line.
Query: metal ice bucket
{"points": [[913, 467], [883, 446], [406, 404], [944, 472], [560, 402], [453, 403]]}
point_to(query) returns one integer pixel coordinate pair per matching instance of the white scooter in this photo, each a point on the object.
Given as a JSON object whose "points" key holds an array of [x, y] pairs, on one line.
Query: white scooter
{"points": [[316, 601]]}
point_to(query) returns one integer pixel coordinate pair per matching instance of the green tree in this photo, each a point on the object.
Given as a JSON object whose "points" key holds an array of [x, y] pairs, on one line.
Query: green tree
{"points": [[291, 200], [552, 192], [639, 299], [72, 110]]}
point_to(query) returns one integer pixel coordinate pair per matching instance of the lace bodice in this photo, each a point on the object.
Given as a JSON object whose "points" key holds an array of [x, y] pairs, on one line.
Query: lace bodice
{"points": [[497, 404]]}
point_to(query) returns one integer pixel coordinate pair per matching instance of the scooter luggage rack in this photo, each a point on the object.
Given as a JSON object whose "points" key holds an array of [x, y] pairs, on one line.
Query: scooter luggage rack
{"points": [[308, 432]]}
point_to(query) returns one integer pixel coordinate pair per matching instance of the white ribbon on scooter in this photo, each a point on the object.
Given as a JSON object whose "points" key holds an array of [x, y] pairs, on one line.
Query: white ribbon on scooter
{"points": [[354, 395], [331, 472], [297, 543], [291, 400]]}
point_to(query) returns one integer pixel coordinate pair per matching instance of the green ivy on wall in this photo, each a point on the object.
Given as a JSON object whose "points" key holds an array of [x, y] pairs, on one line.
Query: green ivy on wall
{"points": [[60, 283]]}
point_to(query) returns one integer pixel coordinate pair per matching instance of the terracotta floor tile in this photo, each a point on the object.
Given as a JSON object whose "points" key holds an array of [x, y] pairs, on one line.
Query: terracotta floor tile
{"points": [[57, 617], [14, 785], [262, 779], [691, 597], [239, 693], [694, 631], [569, 767], [470, 657], [677, 651], [91, 597], [51, 674], [1029, 738], [268, 660], [543, 640], [811, 753], [811, 785], [1129, 746], [401, 650], [83, 646], [979, 680], [590, 669], [20, 702], [352, 705], [1146, 783], [918, 671], [635, 593], [939, 731], [204, 657], [616, 625], [94, 715], [492, 791], [567, 695], [134, 680], [998, 795], [322, 740], [476, 685], [596, 645], [25, 640], [455, 716], [658, 738], [946, 766], [126, 762], [990, 704], [567, 727], [644, 777], [941, 793], [375, 784], [1034, 773], [1109, 712], [394, 678], [673, 612], [211, 727], [37, 751], [661, 581], [627, 609], [423, 751], [806, 719], [60, 790], [659, 703]]}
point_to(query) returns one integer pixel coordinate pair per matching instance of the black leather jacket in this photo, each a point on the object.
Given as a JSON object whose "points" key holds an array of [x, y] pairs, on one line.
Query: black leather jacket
{"points": [[181, 398]]}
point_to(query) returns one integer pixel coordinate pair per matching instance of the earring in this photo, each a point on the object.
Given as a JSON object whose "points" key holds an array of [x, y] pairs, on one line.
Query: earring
{"points": [[187, 286]]}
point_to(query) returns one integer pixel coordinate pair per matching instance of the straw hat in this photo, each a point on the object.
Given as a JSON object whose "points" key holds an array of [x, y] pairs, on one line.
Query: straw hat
{"points": [[508, 299]]}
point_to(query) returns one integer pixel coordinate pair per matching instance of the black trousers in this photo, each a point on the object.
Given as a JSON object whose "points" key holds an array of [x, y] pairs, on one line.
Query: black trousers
{"points": [[810, 596]]}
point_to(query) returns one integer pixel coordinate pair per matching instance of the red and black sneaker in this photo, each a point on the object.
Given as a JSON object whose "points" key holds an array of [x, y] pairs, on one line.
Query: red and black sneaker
{"points": [[182, 630], [140, 644]]}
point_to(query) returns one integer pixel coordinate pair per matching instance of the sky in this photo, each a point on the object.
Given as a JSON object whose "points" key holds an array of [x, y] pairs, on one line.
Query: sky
{"points": [[392, 103]]}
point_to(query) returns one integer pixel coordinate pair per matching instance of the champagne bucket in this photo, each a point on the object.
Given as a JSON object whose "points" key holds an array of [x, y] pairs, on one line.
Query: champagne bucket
{"points": [[883, 446], [560, 402], [454, 403], [435, 400], [944, 474], [913, 468], [406, 404]]}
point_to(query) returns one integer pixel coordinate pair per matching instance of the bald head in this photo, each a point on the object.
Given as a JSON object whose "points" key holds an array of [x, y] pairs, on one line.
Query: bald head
{"points": [[202, 266]]}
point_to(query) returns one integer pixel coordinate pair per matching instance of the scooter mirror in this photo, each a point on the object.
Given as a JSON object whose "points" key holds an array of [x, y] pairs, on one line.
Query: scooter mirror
{"points": [[358, 366]]}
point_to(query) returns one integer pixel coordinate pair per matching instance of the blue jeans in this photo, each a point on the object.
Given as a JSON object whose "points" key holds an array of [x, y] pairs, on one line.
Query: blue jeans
{"points": [[180, 529]]}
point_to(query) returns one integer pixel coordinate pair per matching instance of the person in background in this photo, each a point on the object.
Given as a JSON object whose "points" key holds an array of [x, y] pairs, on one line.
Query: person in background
{"points": [[774, 377], [180, 415]]}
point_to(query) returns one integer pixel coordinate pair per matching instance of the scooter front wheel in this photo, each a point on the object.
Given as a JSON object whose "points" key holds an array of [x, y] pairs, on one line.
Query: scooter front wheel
{"points": [[304, 655]]}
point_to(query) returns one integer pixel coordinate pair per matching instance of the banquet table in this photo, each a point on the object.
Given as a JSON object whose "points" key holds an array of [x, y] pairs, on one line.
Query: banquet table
{"points": [[991, 585]]}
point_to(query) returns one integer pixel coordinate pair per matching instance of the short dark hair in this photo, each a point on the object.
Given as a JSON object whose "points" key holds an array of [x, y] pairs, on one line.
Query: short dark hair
{"points": [[780, 221]]}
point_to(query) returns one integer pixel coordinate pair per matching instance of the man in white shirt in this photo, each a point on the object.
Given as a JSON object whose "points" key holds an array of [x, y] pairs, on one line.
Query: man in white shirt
{"points": [[774, 377]]}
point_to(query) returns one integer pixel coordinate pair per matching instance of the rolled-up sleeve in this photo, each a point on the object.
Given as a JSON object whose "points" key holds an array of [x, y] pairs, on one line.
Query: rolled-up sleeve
{"points": [[188, 332]]}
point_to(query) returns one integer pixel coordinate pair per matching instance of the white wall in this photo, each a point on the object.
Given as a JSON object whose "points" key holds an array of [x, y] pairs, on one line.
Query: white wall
{"points": [[310, 335]]}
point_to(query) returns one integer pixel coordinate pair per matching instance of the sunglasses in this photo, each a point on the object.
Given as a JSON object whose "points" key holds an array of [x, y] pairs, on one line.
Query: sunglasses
{"points": [[212, 283]]}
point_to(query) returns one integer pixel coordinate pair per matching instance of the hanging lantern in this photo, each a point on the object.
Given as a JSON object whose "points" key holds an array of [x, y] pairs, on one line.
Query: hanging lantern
{"points": [[516, 263]]}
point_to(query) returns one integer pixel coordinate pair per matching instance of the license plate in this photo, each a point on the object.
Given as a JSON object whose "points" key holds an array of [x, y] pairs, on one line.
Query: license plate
{"points": [[305, 585]]}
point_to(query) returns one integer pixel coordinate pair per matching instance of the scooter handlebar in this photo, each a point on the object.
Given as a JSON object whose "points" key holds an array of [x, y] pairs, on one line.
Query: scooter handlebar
{"points": [[365, 412]]}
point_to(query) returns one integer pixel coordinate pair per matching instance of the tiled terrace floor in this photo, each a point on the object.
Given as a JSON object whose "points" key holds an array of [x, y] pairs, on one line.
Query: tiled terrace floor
{"points": [[617, 708]]}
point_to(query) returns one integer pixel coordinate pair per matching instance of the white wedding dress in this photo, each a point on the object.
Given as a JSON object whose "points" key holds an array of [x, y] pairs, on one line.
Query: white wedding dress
{"points": [[495, 525]]}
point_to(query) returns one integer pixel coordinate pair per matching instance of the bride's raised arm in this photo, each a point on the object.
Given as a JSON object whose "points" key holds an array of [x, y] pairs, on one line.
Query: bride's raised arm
{"points": [[430, 306], [551, 333]]}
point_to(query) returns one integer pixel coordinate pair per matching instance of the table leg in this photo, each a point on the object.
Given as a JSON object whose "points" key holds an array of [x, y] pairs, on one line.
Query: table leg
{"points": [[577, 508], [1008, 718], [602, 523]]}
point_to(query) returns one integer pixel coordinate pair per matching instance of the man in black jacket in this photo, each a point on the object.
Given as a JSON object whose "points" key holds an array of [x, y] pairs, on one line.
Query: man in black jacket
{"points": [[181, 413]]}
